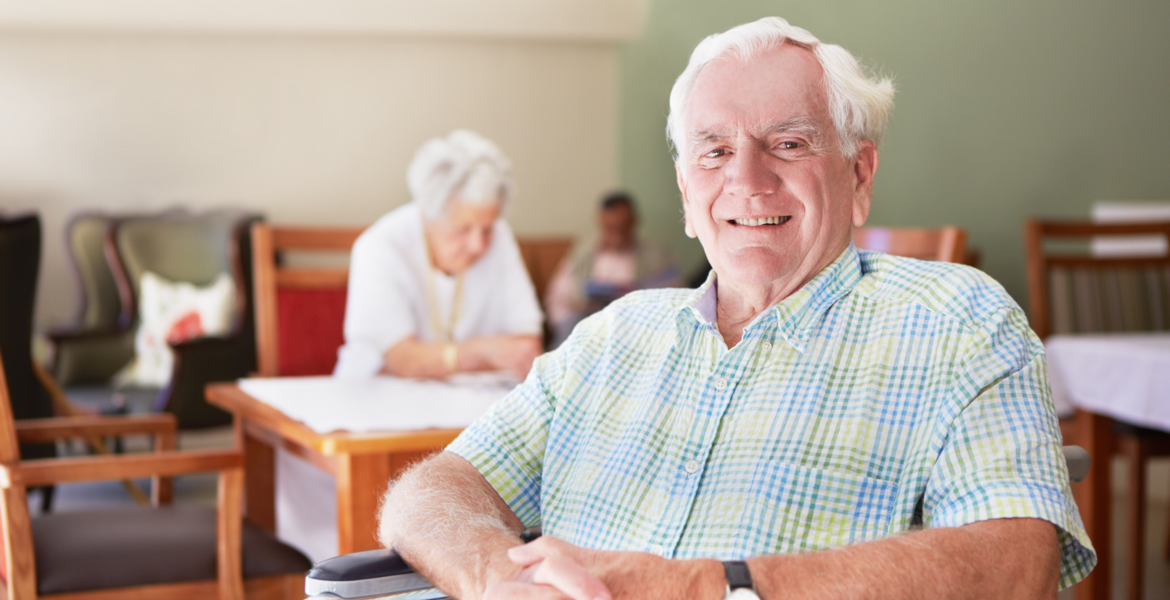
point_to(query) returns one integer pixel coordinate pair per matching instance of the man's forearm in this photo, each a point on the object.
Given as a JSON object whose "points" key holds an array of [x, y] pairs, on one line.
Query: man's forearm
{"points": [[1002, 558], [448, 522]]}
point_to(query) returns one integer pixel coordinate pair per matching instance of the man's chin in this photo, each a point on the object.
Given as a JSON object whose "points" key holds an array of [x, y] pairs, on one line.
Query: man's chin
{"points": [[755, 274]]}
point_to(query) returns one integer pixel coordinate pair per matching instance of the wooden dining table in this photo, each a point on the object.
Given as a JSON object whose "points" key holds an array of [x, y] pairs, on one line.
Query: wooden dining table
{"points": [[1107, 377], [362, 463]]}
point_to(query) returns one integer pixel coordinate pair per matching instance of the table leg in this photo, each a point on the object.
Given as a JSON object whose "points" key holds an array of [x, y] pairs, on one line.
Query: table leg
{"points": [[362, 480], [260, 482], [1095, 434]]}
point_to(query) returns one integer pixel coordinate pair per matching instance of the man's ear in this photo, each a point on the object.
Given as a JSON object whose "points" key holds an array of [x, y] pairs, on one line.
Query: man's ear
{"points": [[865, 164], [682, 188]]}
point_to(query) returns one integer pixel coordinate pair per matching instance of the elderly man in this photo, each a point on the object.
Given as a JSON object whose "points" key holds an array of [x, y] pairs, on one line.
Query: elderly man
{"points": [[798, 416]]}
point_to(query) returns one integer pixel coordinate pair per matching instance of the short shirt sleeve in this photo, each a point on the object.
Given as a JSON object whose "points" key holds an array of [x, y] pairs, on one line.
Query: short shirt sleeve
{"points": [[1001, 454], [507, 444], [377, 312]]}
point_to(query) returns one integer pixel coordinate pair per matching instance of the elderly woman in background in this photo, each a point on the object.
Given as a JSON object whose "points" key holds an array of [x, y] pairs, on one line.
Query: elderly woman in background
{"points": [[438, 286]]}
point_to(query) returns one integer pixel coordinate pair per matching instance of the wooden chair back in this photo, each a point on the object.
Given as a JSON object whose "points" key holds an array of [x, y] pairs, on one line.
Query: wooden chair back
{"points": [[944, 244], [300, 311], [1072, 290], [85, 239], [542, 255]]}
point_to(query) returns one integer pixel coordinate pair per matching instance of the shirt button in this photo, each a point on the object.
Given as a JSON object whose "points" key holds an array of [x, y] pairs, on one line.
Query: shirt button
{"points": [[720, 383], [692, 466], [656, 549], [766, 346]]}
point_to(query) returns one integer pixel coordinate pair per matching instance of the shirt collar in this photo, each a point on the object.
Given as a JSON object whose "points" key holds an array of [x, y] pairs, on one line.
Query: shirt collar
{"points": [[796, 314]]}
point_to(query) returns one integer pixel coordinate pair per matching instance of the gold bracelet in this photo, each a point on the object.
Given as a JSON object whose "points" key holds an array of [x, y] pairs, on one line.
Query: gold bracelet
{"points": [[450, 356]]}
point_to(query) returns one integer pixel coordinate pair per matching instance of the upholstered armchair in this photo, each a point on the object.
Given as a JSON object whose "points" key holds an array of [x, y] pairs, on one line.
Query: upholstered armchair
{"points": [[178, 247]]}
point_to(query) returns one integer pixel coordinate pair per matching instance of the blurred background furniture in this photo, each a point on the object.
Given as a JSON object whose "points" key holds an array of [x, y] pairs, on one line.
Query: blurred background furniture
{"points": [[1074, 290], [946, 244], [542, 255], [101, 308], [300, 310], [164, 551], [179, 247], [362, 462], [20, 258]]}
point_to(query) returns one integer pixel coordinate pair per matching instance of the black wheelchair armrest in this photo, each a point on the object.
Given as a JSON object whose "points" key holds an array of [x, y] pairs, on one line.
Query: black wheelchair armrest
{"points": [[370, 574], [375, 574]]}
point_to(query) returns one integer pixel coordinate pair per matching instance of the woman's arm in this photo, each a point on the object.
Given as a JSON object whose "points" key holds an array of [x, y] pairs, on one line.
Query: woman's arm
{"points": [[415, 359]]}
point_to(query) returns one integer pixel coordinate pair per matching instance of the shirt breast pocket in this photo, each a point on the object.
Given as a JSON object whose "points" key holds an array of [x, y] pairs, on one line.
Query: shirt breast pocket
{"points": [[794, 508]]}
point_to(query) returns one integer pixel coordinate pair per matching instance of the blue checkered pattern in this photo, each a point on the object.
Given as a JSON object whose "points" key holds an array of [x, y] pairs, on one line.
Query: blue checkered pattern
{"points": [[882, 381]]}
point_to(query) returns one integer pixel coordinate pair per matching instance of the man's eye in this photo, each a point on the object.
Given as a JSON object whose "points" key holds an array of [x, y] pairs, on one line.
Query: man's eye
{"points": [[715, 153], [789, 145]]}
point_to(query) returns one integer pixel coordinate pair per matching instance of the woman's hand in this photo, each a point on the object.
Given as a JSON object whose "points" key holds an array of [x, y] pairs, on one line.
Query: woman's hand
{"points": [[513, 353]]}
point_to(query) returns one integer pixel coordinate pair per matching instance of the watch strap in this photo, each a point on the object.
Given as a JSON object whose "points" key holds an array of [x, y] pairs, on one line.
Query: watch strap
{"points": [[738, 575]]}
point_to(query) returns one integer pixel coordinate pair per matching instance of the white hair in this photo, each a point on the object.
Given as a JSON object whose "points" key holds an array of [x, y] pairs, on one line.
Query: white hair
{"points": [[859, 103], [463, 162]]}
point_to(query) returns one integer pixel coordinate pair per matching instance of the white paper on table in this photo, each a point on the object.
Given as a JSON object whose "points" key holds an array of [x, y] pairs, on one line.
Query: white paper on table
{"points": [[1125, 376], [326, 404]]}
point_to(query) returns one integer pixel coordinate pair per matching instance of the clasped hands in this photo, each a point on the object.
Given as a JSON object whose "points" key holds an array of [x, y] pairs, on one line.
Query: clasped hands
{"points": [[553, 569]]}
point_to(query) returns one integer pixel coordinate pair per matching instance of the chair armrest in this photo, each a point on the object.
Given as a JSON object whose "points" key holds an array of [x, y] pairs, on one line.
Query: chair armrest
{"points": [[32, 473], [374, 573], [199, 362], [48, 430], [90, 356]]}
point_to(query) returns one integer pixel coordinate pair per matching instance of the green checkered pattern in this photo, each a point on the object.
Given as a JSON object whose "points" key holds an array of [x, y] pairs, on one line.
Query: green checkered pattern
{"points": [[882, 382]]}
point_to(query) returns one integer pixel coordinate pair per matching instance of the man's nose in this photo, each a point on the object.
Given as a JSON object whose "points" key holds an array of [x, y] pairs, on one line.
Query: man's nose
{"points": [[748, 174]]}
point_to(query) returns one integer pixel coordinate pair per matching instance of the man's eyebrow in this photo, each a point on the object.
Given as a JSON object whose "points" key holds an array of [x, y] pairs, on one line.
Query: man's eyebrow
{"points": [[703, 136], [804, 125]]}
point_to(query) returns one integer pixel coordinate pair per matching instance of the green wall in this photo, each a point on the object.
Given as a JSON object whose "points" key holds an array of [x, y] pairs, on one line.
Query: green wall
{"points": [[1005, 109]]}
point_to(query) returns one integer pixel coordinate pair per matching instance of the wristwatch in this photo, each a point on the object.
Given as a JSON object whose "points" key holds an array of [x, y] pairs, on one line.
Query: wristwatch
{"points": [[739, 581]]}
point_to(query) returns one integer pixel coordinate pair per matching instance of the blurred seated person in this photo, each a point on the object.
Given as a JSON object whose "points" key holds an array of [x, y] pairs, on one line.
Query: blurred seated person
{"points": [[603, 270], [438, 286]]}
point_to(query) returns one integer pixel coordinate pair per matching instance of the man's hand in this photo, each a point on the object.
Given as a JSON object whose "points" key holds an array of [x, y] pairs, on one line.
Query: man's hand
{"points": [[557, 569]]}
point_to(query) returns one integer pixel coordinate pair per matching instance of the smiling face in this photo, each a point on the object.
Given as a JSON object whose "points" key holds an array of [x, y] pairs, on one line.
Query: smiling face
{"points": [[463, 235], [765, 187]]}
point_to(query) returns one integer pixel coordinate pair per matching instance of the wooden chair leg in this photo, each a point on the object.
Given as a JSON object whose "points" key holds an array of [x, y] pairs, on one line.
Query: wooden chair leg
{"points": [[1136, 453]]}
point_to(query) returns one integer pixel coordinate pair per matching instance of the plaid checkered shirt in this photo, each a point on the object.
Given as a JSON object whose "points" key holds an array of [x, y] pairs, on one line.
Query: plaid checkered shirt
{"points": [[885, 392]]}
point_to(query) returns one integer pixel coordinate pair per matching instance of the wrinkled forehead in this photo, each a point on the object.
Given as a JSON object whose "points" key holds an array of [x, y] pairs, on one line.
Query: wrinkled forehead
{"points": [[779, 85]]}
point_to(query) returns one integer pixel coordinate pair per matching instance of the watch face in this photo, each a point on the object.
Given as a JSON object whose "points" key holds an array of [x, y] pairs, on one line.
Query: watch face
{"points": [[742, 594]]}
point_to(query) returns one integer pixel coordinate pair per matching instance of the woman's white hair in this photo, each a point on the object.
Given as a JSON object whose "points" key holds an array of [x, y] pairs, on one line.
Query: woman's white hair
{"points": [[462, 163], [859, 103]]}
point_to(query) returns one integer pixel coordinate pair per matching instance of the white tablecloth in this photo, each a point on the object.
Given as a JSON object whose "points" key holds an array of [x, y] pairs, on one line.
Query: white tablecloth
{"points": [[1125, 376], [306, 502], [328, 404]]}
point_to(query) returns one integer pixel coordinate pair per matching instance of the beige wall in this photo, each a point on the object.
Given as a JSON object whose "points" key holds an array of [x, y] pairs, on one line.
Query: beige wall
{"points": [[305, 128]]}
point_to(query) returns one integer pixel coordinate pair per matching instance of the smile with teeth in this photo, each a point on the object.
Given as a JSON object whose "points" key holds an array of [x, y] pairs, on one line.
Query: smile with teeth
{"points": [[763, 221]]}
